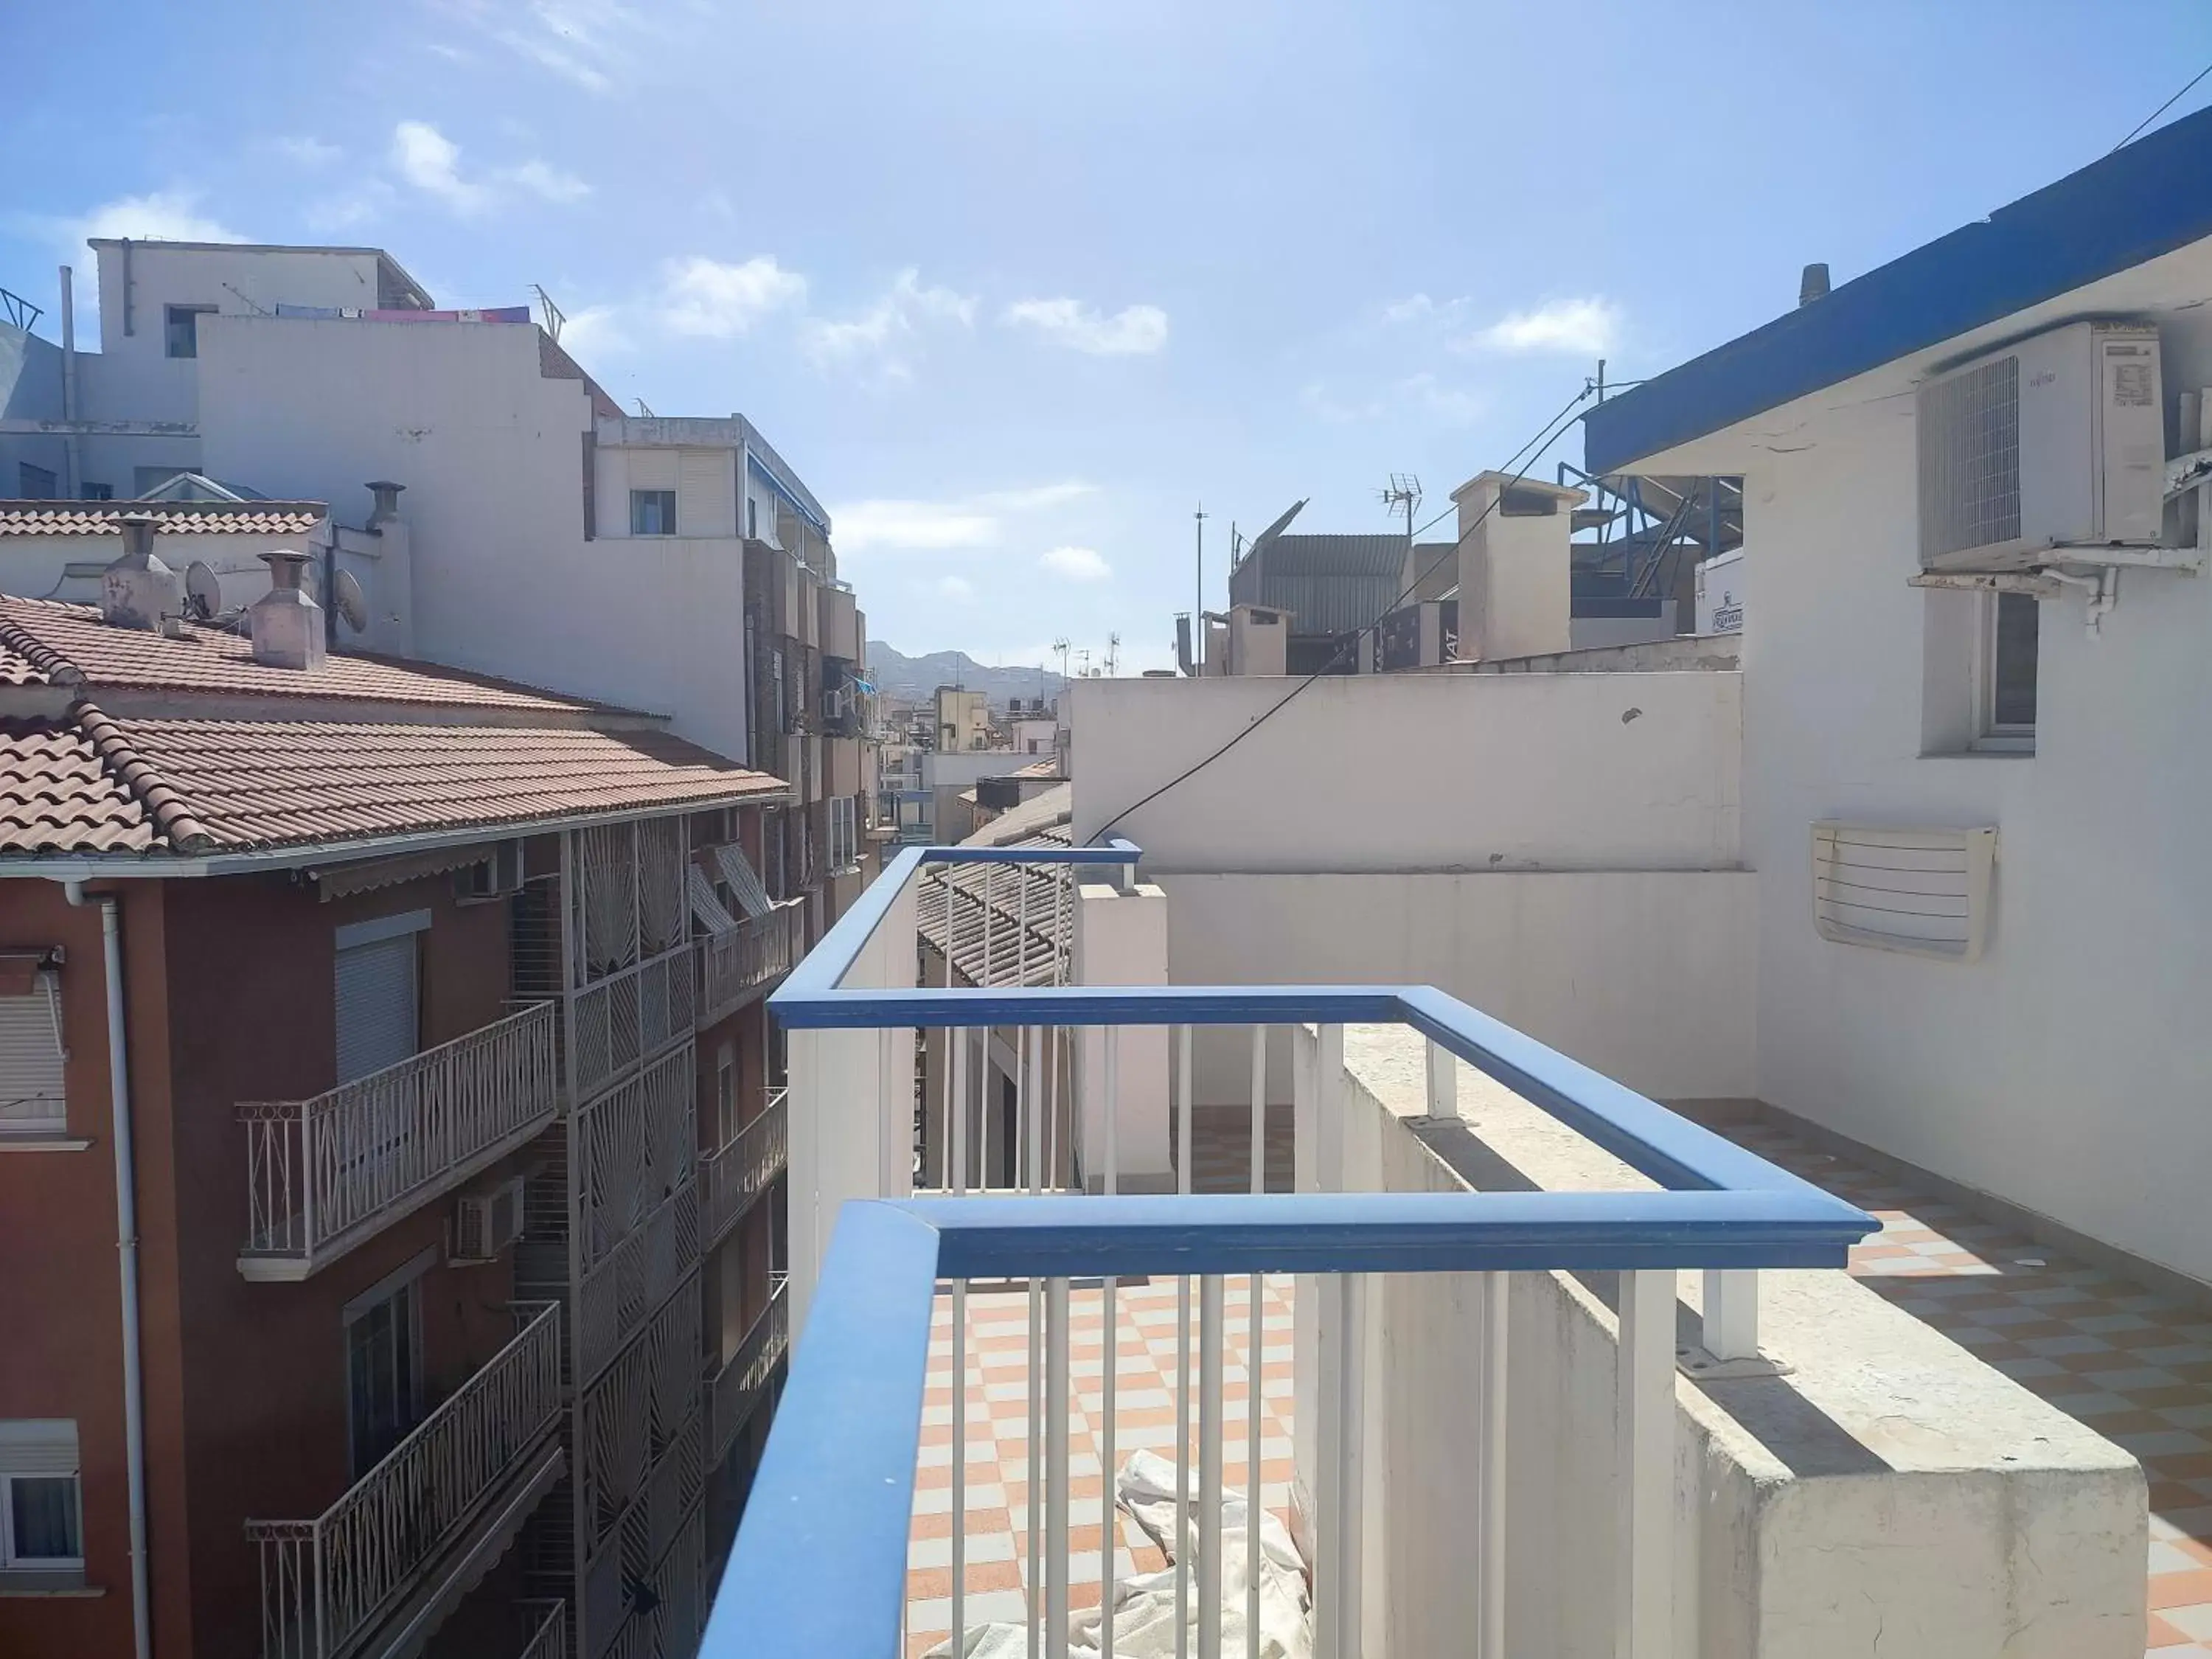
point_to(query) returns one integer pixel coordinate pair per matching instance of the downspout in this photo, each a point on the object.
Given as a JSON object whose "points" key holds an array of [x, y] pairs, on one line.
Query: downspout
{"points": [[126, 1247]]}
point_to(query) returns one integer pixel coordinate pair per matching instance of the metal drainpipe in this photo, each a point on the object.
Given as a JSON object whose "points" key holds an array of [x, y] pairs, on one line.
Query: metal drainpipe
{"points": [[126, 1247]]}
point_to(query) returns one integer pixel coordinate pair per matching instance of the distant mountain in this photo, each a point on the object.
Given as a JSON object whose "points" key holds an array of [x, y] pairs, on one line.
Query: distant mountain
{"points": [[913, 679]]}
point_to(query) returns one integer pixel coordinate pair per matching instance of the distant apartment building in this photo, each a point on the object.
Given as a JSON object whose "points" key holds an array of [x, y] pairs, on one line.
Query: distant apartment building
{"points": [[656, 564], [400, 1029], [963, 720]]}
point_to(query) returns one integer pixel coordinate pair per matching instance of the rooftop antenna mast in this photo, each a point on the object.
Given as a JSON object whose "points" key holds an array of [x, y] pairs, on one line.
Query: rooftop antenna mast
{"points": [[1198, 611], [550, 314], [1113, 654], [1404, 490], [1059, 650]]}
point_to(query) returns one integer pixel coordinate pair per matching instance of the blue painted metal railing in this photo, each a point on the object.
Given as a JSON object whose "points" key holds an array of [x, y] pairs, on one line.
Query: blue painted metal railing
{"points": [[819, 1565]]}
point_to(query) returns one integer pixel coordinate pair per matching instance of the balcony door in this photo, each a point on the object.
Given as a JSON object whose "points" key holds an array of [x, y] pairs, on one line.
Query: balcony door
{"points": [[378, 999], [383, 1373]]}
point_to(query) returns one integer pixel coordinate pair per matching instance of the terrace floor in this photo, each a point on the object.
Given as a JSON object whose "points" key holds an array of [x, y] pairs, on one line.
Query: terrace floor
{"points": [[2131, 1364]]}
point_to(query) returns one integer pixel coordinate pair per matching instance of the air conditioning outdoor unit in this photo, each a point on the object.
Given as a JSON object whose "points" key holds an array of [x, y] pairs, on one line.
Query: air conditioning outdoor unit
{"points": [[487, 1223], [2055, 441], [493, 878]]}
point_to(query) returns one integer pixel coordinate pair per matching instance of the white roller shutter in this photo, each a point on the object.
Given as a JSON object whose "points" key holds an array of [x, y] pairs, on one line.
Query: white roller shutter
{"points": [[376, 1006], [32, 1094], [752, 897]]}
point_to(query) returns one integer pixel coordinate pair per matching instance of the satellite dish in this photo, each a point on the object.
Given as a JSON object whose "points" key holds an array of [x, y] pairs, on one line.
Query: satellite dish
{"points": [[351, 603], [203, 591]]}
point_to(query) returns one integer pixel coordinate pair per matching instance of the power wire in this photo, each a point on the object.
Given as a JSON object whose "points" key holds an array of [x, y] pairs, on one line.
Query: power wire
{"points": [[2162, 108], [1546, 436]]}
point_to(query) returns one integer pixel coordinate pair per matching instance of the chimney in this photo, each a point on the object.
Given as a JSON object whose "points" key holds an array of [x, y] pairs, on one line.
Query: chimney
{"points": [[385, 494], [138, 590], [1812, 285], [286, 623]]}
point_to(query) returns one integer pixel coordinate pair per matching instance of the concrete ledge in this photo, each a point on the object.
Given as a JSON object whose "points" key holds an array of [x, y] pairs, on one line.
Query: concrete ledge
{"points": [[1890, 1494]]}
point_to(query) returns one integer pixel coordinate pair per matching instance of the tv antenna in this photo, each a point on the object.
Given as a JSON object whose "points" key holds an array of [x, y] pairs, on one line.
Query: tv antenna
{"points": [[1059, 650], [1083, 657], [1404, 490], [1113, 654]]}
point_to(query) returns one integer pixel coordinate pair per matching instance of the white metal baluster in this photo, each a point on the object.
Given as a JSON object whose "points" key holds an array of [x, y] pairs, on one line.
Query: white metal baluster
{"points": [[1182, 1563], [1497, 1305], [1351, 1452], [1644, 1465], [955, 1174], [952, 1035], [1108, 1528], [1252, 1357], [1035, 1501], [1056, 1410], [960, 1439], [1731, 1313], [1210, 1333]]}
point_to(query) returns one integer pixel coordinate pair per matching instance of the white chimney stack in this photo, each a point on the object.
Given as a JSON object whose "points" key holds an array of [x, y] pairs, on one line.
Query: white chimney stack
{"points": [[138, 590], [286, 623]]}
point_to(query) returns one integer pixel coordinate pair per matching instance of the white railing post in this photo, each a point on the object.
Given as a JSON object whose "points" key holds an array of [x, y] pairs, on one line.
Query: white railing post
{"points": [[1643, 1467], [1496, 1324], [1444, 1081], [1731, 1313]]}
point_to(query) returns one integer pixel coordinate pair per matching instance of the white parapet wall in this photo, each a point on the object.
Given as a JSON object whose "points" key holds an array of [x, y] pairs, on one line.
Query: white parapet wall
{"points": [[1121, 939], [1890, 1494]]}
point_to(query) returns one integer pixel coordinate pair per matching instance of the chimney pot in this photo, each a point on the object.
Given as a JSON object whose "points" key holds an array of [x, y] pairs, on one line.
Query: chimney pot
{"points": [[384, 495], [286, 624], [1813, 284], [138, 590]]}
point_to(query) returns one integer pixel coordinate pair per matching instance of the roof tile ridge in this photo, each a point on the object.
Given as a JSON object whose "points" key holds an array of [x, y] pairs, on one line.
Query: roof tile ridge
{"points": [[57, 668], [172, 815]]}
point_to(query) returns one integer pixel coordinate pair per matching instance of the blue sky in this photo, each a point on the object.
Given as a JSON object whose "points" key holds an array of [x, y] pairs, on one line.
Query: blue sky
{"points": [[1015, 284]]}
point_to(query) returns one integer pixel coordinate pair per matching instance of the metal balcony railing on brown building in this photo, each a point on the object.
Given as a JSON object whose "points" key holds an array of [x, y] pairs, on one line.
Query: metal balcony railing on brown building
{"points": [[376, 1572], [731, 1177], [325, 1173], [736, 962], [736, 1391]]}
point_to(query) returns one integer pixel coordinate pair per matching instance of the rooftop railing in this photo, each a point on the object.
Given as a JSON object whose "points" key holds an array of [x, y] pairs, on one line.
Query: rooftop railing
{"points": [[1092, 1083]]}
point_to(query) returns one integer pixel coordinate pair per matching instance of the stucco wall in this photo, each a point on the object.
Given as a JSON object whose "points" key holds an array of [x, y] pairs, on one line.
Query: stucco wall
{"points": [[1644, 975], [1404, 772], [492, 456], [2067, 1070]]}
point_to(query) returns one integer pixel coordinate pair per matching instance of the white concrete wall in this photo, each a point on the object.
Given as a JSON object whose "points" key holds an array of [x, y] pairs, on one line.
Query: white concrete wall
{"points": [[1892, 1494], [1406, 772], [2067, 1070], [491, 454], [1644, 975]]}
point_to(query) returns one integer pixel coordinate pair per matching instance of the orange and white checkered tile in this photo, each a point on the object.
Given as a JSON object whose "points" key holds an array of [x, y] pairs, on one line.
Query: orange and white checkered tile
{"points": [[997, 1574]]}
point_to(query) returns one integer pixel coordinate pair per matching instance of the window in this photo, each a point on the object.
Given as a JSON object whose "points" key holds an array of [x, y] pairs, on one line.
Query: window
{"points": [[34, 1101], [34, 483], [41, 1510], [383, 1365], [2011, 627], [753, 519], [652, 512], [182, 337], [726, 1093], [844, 837], [97, 492]]}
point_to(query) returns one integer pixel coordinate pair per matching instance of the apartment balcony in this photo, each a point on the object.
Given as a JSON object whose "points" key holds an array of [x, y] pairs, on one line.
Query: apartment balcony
{"points": [[736, 962], [376, 1573], [327, 1173], [1435, 1296], [736, 1391], [731, 1178]]}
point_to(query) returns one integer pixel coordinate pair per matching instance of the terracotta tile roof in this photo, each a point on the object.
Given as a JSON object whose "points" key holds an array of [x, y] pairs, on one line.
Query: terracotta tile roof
{"points": [[1043, 769], [197, 787], [1029, 902], [56, 797], [44, 642], [177, 518]]}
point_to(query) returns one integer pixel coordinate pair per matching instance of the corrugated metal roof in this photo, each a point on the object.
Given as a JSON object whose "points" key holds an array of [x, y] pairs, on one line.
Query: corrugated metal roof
{"points": [[1329, 584]]}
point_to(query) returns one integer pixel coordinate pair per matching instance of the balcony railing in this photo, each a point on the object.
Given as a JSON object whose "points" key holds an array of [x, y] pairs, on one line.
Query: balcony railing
{"points": [[738, 961], [402, 1537], [732, 1178], [1096, 1080], [325, 1173], [738, 1388], [550, 1639]]}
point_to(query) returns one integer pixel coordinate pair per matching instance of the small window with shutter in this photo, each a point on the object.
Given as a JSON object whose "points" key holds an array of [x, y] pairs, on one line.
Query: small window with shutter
{"points": [[41, 1515], [34, 1101]]}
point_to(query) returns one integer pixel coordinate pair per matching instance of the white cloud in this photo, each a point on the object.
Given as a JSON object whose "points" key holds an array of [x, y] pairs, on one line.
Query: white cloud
{"points": [[1135, 332], [548, 183], [306, 151], [350, 207], [1318, 400], [586, 42], [716, 301], [1581, 327], [158, 215], [883, 332], [1077, 564], [1446, 403], [958, 589], [974, 521], [424, 157], [596, 329]]}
